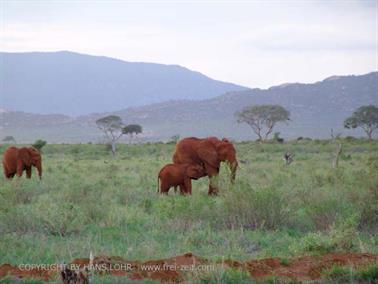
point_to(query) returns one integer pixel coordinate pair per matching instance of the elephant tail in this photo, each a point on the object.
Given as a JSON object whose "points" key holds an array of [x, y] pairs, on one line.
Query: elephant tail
{"points": [[158, 181]]}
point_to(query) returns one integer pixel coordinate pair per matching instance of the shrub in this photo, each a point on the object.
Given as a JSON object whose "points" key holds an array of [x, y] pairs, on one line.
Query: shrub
{"points": [[256, 208], [339, 274], [39, 144], [343, 236], [56, 217], [277, 138], [314, 243]]}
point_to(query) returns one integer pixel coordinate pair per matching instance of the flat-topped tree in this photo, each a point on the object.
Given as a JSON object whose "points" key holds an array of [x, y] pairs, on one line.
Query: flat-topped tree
{"points": [[263, 118], [365, 117], [132, 129], [9, 139], [112, 127]]}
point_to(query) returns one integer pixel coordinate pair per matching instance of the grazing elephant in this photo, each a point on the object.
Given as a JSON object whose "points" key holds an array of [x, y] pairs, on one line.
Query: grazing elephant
{"points": [[210, 152], [16, 160], [179, 175]]}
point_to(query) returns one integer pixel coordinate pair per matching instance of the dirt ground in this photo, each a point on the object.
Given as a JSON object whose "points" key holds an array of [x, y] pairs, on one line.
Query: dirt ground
{"points": [[177, 269]]}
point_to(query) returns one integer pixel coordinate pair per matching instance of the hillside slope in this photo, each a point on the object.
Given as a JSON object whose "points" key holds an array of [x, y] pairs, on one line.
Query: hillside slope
{"points": [[315, 110], [76, 84]]}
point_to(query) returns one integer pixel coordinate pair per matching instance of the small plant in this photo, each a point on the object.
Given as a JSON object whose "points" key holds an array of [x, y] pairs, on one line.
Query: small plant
{"points": [[315, 243], [284, 261], [339, 274]]}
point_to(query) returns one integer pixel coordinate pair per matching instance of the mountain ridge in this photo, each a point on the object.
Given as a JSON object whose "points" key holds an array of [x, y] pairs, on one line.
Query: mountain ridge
{"points": [[78, 84], [315, 110]]}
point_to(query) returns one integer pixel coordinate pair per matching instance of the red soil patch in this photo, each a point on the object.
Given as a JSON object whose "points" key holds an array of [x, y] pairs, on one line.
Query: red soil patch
{"points": [[174, 269], [306, 267], [13, 271]]}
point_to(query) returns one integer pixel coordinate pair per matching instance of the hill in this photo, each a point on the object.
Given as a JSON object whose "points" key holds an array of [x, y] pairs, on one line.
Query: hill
{"points": [[77, 84], [315, 110]]}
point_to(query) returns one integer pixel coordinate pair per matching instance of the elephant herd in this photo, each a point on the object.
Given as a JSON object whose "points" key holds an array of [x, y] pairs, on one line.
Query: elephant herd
{"points": [[193, 158]]}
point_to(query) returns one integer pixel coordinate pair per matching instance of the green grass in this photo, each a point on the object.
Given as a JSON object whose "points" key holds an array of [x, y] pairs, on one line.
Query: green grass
{"points": [[90, 201], [339, 274]]}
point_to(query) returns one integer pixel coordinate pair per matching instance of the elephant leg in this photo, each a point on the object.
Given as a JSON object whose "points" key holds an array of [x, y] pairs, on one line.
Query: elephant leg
{"points": [[9, 175], [28, 172], [213, 189], [182, 189], [164, 187], [6, 172], [20, 168], [188, 185], [212, 173]]}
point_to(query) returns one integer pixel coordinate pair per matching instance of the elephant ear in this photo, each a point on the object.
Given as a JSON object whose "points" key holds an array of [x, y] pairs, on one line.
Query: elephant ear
{"points": [[209, 156], [24, 156], [34, 153]]}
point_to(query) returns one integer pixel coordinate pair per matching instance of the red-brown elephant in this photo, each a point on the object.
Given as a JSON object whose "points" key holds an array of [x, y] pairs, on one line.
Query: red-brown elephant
{"points": [[16, 160], [207, 151], [179, 175]]}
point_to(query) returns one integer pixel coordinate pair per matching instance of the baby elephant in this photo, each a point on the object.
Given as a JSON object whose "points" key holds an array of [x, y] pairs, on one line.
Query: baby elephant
{"points": [[179, 175]]}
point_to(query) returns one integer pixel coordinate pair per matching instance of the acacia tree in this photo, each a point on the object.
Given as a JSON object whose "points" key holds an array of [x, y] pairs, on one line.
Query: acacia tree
{"points": [[132, 129], [365, 117], [39, 144], [9, 139], [112, 127], [262, 118]]}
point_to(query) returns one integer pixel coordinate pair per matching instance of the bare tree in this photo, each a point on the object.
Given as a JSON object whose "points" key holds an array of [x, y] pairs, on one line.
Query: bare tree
{"points": [[263, 118], [112, 127]]}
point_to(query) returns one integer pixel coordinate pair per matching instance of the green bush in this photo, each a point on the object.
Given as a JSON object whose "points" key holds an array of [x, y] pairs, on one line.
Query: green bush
{"points": [[57, 217], [347, 274], [39, 144], [256, 208], [343, 236]]}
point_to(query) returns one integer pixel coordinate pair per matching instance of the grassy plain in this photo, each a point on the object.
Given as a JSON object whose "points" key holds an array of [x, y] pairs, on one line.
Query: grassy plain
{"points": [[90, 201]]}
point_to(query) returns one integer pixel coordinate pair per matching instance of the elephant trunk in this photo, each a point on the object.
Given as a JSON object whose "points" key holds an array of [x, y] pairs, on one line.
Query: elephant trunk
{"points": [[233, 164]]}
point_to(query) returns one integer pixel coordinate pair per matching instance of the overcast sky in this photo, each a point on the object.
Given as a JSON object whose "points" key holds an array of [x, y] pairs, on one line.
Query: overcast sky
{"points": [[252, 43]]}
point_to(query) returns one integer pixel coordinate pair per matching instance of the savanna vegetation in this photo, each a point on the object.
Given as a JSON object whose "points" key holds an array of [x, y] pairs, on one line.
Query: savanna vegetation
{"points": [[89, 200]]}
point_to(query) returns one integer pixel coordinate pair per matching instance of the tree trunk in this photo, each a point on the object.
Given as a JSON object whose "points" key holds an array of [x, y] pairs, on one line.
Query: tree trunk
{"points": [[369, 134], [335, 162], [113, 147]]}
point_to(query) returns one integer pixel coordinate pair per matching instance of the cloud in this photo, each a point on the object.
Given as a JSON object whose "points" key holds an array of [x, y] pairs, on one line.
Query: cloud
{"points": [[257, 43]]}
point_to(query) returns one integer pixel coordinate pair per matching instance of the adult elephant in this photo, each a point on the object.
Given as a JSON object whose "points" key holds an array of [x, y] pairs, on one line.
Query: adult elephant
{"points": [[16, 160], [209, 152]]}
